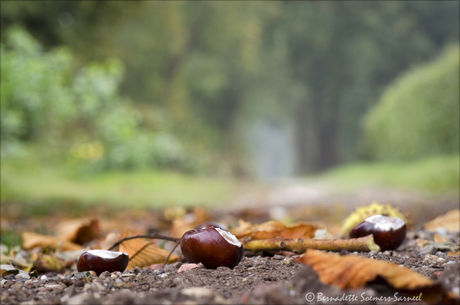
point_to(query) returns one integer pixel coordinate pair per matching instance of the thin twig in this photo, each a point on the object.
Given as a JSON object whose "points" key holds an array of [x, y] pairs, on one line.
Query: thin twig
{"points": [[152, 236], [170, 252]]}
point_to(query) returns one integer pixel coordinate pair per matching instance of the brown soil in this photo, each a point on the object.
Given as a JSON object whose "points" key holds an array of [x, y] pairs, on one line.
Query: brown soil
{"points": [[261, 278], [266, 279]]}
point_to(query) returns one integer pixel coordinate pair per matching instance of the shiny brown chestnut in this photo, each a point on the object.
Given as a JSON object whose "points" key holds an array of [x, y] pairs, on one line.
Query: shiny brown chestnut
{"points": [[388, 232], [102, 260], [211, 246], [212, 224]]}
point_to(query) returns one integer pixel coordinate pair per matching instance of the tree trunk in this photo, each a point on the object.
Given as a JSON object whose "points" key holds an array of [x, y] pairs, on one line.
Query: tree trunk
{"points": [[316, 134], [326, 120]]}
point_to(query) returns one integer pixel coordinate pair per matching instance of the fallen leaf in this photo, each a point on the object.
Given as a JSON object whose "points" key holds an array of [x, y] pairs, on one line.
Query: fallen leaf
{"points": [[17, 260], [50, 263], [8, 269], [272, 229], [180, 226], [5, 272], [109, 241], [79, 231], [439, 239], [351, 272], [144, 252], [32, 240], [422, 242], [449, 221], [189, 221]]}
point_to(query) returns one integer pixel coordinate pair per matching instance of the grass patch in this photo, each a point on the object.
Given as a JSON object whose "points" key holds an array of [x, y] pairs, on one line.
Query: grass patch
{"points": [[36, 189], [435, 175]]}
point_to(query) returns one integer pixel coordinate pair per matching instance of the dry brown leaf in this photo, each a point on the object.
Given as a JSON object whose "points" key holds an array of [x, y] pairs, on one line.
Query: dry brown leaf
{"points": [[79, 231], [32, 240], [449, 221], [17, 262], [189, 221], [421, 242], [144, 252], [439, 239], [272, 229], [244, 228], [49, 263], [180, 226], [110, 239], [354, 272]]}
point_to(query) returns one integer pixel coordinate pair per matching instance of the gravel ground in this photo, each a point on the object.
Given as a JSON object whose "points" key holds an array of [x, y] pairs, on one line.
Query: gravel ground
{"points": [[262, 279]]}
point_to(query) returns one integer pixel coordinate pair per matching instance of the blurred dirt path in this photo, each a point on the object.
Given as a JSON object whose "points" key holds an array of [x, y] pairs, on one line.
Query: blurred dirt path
{"points": [[294, 193]]}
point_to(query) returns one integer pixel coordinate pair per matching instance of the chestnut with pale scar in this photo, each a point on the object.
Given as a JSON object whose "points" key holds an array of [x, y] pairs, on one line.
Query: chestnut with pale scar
{"points": [[102, 260], [211, 246], [388, 232]]}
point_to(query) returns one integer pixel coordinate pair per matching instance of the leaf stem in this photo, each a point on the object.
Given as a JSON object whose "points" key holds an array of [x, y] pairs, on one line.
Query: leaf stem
{"points": [[152, 236], [299, 245]]}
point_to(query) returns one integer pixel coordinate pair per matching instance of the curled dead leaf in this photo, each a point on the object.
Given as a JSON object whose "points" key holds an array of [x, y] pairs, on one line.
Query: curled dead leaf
{"points": [[79, 231], [449, 221], [32, 240], [439, 239], [272, 229], [144, 252], [189, 221], [50, 263], [354, 272]]}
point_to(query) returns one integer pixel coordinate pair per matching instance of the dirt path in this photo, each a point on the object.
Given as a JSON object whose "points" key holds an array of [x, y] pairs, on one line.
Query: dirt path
{"points": [[290, 194]]}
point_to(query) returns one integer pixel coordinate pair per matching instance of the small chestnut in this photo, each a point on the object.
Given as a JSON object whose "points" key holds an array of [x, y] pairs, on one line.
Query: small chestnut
{"points": [[211, 246], [102, 260], [388, 232], [212, 224]]}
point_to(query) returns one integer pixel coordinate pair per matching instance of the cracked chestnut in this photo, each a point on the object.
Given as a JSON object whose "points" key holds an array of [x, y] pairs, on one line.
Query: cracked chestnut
{"points": [[388, 232], [102, 260], [211, 246]]}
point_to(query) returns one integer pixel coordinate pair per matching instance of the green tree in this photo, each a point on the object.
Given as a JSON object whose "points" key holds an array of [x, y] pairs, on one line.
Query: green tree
{"points": [[76, 115], [418, 114], [345, 53]]}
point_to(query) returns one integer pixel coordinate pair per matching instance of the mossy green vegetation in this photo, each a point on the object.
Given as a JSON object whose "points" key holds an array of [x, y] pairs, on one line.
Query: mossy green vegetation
{"points": [[418, 115], [432, 175], [37, 188]]}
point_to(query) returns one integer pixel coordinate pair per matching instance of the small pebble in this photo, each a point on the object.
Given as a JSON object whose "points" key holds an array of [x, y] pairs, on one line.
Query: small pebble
{"points": [[186, 267], [433, 260], [429, 249], [197, 292]]}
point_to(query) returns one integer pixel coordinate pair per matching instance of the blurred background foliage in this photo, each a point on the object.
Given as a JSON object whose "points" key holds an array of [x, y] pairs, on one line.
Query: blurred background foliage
{"points": [[246, 89], [418, 115]]}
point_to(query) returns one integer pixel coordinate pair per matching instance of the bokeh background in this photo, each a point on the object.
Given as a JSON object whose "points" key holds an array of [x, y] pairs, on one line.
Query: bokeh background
{"points": [[180, 102]]}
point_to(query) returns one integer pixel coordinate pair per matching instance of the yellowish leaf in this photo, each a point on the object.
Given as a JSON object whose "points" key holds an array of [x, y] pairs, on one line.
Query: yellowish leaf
{"points": [[272, 229], [449, 221], [79, 231], [33, 240], [144, 252], [439, 239], [189, 221], [421, 242], [49, 263]]}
